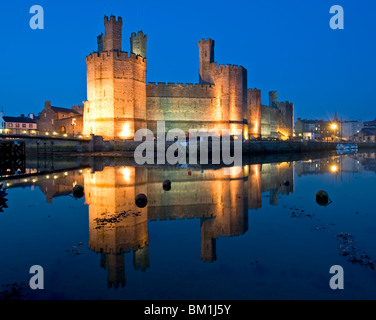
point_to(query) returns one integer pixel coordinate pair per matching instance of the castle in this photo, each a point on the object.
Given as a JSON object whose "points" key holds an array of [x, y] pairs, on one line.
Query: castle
{"points": [[120, 101]]}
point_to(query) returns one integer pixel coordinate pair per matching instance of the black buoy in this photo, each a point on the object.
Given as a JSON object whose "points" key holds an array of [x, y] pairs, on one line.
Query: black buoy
{"points": [[141, 200], [78, 192], [167, 185], [322, 198]]}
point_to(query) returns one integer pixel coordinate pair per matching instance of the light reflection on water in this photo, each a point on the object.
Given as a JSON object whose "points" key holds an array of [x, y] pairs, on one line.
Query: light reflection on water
{"points": [[257, 234]]}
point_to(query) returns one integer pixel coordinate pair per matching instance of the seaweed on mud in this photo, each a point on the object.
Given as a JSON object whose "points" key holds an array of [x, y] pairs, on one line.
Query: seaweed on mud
{"points": [[15, 291], [298, 213], [116, 218], [353, 254]]}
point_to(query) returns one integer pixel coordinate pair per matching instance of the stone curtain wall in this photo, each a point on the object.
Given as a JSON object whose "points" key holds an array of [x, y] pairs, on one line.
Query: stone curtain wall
{"points": [[184, 106], [278, 122]]}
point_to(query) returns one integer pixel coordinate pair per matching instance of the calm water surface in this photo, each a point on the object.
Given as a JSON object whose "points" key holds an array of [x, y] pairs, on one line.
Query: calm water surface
{"points": [[256, 234]]}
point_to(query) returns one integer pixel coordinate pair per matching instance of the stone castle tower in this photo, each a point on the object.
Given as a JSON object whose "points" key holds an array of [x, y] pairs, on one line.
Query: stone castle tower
{"points": [[116, 85], [138, 44], [230, 82]]}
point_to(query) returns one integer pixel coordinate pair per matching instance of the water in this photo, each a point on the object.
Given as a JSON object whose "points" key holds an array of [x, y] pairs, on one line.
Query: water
{"points": [[257, 234]]}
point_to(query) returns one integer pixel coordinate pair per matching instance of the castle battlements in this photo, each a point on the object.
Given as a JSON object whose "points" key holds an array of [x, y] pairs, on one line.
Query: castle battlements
{"points": [[112, 18], [139, 34], [191, 216], [180, 90], [206, 41], [121, 249], [229, 67], [179, 85], [254, 91], [124, 56]]}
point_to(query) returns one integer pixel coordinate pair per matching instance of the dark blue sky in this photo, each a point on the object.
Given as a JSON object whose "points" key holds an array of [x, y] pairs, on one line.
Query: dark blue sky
{"points": [[286, 46]]}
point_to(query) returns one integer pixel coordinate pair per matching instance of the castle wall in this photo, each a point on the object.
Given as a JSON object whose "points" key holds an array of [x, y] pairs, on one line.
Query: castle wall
{"points": [[269, 119], [286, 118], [253, 112], [185, 107], [278, 122]]}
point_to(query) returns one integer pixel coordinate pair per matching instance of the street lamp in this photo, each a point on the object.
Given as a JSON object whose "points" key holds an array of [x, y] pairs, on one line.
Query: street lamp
{"points": [[334, 127]]}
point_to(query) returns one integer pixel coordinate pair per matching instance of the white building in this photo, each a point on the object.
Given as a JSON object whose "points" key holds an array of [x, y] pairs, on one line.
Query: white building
{"points": [[18, 125]]}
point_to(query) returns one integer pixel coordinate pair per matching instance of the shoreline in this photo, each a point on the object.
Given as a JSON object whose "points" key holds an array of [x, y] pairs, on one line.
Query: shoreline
{"points": [[249, 149]]}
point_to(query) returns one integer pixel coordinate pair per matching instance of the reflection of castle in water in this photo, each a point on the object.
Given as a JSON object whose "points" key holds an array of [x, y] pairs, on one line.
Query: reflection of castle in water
{"points": [[117, 226], [221, 203]]}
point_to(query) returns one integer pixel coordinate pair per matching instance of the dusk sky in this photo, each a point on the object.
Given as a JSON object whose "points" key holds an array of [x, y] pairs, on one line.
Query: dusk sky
{"points": [[286, 46]]}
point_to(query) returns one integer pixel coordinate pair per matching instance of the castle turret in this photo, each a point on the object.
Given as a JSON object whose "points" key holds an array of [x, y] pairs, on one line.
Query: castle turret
{"points": [[208, 249], [273, 99], [206, 48], [116, 270], [113, 33], [138, 44], [141, 258], [101, 43]]}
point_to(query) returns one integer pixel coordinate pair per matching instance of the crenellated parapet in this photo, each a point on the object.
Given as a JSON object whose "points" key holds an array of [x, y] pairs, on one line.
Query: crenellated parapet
{"points": [[120, 249], [206, 42], [188, 90], [113, 18], [229, 67], [254, 91], [116, 55], [113, 33]]}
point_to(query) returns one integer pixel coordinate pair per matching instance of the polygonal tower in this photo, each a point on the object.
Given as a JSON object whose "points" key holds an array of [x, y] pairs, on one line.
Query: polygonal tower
{"points": [[206, 51], [138, 44], [273, 99], [230, 83], [116, 87]]}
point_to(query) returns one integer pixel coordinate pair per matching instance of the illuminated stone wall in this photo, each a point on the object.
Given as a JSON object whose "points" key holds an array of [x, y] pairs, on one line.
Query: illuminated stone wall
{"points": [[184, 106], [253, 114], [278, 122]]}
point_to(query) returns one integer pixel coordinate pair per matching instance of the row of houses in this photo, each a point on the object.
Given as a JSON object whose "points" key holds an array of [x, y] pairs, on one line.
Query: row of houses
{"points": [[51, 120], [335, 130]]}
